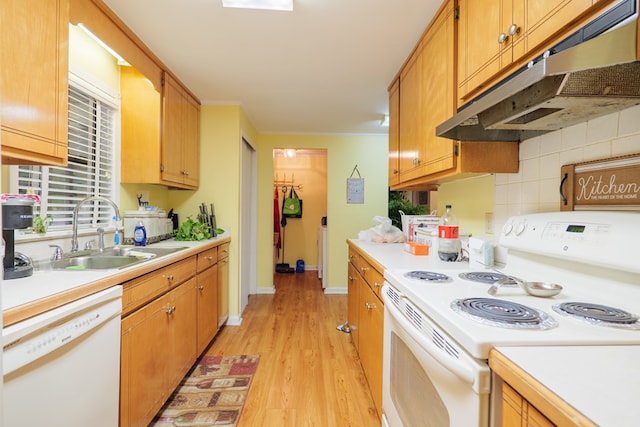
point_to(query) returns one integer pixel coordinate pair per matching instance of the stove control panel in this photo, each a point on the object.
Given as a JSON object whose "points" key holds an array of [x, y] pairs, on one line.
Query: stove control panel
{"points": [[585, 236]]}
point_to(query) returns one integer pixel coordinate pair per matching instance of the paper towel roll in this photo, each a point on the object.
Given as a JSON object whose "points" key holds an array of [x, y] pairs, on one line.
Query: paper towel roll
{"points": [[480, 252]]}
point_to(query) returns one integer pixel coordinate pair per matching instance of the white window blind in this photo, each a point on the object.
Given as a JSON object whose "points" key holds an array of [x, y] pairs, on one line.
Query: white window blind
{"points": [[90, 169]]}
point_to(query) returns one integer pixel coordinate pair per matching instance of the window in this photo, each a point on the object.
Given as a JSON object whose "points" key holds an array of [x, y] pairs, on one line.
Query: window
{"points": [[91, 168]]}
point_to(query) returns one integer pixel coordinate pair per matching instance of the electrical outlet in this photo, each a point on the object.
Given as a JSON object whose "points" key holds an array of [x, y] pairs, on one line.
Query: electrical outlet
{"points": [[488, 222]]}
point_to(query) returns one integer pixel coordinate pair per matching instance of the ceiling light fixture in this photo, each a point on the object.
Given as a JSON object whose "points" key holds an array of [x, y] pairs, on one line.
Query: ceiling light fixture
{"points": [[120, 59], [286, 5]]}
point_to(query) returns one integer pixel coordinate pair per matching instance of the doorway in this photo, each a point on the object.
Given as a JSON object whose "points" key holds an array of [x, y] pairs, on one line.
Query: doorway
{"points": [[296, 238]]}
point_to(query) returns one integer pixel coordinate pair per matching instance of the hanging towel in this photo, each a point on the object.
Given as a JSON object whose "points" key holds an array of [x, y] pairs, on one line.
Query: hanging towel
{"points": [[276, 220]]}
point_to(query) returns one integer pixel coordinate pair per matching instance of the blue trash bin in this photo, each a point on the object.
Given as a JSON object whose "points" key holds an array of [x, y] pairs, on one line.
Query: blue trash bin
{"points": [[300, 266]]}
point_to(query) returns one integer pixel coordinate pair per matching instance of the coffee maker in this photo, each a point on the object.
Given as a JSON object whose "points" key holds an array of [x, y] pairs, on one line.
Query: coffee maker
{"points": [[17, 214]]}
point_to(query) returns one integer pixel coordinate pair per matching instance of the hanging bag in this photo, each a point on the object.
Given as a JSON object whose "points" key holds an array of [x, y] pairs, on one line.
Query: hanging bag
{"points": [[292, 205]]}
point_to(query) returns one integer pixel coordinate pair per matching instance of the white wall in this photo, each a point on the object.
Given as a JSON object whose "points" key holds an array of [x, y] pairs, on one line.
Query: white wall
{"points": [[535, 188]]}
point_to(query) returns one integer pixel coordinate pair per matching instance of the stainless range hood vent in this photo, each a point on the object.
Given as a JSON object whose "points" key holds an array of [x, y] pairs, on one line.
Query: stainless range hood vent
{"points": [[591, 79]]}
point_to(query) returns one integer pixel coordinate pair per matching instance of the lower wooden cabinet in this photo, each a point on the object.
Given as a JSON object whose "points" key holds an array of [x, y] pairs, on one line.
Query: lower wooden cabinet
{"points": [[223, 284], [353, 304], [516, 411], [366, 318], [170, 316], [207, 306], [371, 340], [158, 349]]}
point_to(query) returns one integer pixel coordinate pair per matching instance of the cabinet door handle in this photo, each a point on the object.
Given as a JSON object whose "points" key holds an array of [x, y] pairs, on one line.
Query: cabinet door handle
{"points": [[514, 29], [376, 284], [370, 306], [171, 309], [201, 288], [502, 38], [364, 269], [350, 278], [170, 277]]}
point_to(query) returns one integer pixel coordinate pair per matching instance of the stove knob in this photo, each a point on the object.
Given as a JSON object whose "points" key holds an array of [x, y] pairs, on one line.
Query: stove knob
{"points": [[520, 228], [507, 228]]}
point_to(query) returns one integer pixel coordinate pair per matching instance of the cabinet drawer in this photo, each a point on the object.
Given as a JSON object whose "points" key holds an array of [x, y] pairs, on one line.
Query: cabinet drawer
{"points": [[138, 291], [223, 251], [354, 258], [375, 280], [207, 258]]}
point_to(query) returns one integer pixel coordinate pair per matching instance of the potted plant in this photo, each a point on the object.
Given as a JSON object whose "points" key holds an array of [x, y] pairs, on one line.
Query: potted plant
{"points": [[397, 203], [41, 223]]}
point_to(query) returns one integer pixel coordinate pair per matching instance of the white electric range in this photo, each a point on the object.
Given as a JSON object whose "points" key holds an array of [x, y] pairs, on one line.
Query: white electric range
{"points": [[590, 254]]}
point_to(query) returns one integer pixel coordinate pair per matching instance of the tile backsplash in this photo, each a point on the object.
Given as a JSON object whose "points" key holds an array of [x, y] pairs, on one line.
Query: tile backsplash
{"points": [[535, 188]]}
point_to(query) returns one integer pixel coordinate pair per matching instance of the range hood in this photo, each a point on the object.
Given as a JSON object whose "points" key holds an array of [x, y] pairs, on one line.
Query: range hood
{"points": [[590, 79]]}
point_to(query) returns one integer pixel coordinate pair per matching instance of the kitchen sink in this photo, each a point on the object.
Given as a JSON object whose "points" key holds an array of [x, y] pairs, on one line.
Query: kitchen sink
{"points": [[111, 258], [132, 250]]}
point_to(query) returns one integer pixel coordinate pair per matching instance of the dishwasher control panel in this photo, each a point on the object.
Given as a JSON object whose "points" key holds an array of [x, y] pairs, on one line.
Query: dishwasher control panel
{"points": [[36, 337]]}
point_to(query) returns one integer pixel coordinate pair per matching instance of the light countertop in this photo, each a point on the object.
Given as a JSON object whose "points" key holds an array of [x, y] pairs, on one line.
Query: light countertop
{"points": [[600, 382], [48, 288], [393, 256]]}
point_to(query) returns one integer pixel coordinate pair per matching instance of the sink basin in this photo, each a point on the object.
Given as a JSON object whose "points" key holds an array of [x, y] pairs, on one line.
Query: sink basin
{"points": [[95, 262], [125, 251], [112, 258]]}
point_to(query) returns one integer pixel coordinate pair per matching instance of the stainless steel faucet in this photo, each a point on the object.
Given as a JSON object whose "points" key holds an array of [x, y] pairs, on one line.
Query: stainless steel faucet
{"points": [[74, 236]]}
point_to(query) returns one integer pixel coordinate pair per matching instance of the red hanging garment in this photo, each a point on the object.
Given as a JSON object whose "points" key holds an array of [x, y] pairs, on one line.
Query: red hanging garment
{"points": [[276, 220]]}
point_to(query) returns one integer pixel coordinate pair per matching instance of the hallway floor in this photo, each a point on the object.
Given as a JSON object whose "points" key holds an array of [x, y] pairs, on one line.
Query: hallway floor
{"points": [[309, 372]]}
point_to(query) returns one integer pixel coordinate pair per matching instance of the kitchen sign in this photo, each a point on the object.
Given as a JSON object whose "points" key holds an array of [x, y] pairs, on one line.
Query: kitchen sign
{"points": [[608, 184]]}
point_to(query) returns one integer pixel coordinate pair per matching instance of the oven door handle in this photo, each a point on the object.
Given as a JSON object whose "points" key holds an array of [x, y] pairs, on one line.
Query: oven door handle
{"points": [[457, 366]]}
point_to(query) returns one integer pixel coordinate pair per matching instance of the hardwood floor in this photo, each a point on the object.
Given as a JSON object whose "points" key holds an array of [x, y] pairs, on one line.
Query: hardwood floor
{"points": [[309, 373]]}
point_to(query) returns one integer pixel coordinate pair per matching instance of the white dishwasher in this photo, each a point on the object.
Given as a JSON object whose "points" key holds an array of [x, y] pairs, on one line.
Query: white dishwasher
{"points": [[62, 367]]}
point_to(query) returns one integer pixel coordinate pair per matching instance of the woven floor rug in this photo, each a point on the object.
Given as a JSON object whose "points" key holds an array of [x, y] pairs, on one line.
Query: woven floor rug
{"points": [[212, 394]]}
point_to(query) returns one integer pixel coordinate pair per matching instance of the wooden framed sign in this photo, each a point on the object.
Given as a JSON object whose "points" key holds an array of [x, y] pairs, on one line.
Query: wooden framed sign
{"points": [[608, 184]]}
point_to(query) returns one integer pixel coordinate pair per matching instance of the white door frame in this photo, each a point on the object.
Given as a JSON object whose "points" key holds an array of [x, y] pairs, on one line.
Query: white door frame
{"points": [[248, 222]]}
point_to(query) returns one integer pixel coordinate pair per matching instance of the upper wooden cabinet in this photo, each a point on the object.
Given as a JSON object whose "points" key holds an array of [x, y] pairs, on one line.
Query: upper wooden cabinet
{"points": [[180, 136], [495, 37], [394, 132], [34, 35], [160, 118], [427, 98], [160, 132]]}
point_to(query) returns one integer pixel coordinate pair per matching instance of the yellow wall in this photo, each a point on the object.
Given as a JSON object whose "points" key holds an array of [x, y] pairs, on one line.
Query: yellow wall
{"points": [[221, 132], [301, 234], [344, 220], [470, 199], [86, 57]]}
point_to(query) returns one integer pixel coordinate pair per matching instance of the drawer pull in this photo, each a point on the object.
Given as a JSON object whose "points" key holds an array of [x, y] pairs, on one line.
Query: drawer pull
{"points": [[376, 284], [370, 306], [170, 277], [209, 258], [201, 288], [171, 309], [350, 278], [364, 269]]}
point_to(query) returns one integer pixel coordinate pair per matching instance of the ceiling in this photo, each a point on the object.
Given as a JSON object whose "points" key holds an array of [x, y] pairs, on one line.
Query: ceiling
{"points": [[323, 68]]}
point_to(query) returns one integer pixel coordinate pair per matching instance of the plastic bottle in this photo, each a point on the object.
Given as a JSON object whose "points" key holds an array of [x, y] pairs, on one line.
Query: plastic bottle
{"points": [[140, 235], [448, 241]]}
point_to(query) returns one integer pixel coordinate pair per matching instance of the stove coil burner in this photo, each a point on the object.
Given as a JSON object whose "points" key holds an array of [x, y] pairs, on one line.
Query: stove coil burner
{"points": [[598, 314], [428, 276], [487, 277], [505, 314]]}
